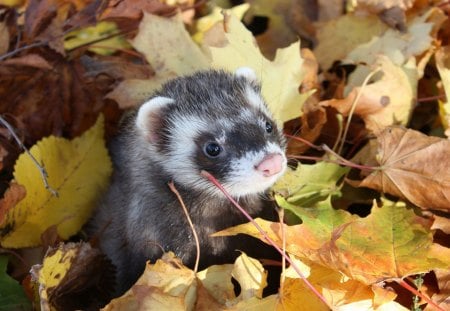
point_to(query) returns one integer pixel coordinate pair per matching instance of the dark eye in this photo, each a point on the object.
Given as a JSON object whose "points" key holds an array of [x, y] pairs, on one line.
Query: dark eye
{"points": [[269, 127], [212, 149]]}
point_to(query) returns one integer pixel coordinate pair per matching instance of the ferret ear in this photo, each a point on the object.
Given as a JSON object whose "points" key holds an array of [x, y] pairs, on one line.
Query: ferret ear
{"points": [[248, 73], [148, 119]]}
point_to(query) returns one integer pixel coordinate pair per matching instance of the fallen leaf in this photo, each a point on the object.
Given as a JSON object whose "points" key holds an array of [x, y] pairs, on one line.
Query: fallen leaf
{"points": [[251, 276], [338, 37], [4, 38], [442, 298], [443, 66], [12, 295], [77, 169], [412, 166], [73, 276], [12, 196], [205, 23], [388, 100], [31, 60], [170, 51], [400, 47], [165, 285], [98, 38], [280, 78], [216, 280], [287, 21], [390, 243], [118, 9], [309, 184]]}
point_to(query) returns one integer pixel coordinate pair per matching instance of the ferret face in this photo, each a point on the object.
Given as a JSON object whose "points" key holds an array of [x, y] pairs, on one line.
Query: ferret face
{"points": [[217, 122]]}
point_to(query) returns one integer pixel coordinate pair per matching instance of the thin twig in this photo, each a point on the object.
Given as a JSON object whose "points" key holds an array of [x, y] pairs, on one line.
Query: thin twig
{"points": [[197, 243], [352, 110], [23, 48], [213, 180], [40, 167]]}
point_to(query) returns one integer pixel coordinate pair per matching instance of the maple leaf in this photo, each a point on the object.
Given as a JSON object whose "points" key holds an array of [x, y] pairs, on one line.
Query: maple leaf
{"points": [[171, 52], [309, 184], [388, 100], [390, 243], [338, 37], [280, 79], [412, 166], [77, 169]]}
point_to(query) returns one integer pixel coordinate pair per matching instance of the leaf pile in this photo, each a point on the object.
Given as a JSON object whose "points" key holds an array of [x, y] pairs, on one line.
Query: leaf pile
{"points": [[363, 99]]}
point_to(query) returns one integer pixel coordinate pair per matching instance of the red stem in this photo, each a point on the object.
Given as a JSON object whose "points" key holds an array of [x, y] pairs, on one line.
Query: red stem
{"points": [[212, 179], [418, 293]]}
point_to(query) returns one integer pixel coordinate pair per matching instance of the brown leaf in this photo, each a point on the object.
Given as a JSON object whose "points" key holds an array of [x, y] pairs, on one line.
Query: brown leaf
{"points": [[118, 9], [61, 101], [38, 16], [414, 167], [31, 60], [74, 276], [13, 195]]}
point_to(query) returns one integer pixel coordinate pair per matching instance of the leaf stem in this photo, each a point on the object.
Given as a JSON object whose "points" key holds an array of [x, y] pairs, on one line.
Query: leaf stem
{"points": [[216, 183], [197, 243], [40, 167], [353, 107], [418, 293]]}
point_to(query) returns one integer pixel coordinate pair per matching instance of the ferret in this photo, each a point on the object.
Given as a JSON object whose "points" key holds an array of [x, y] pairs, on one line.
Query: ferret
{"points": [[211, 121]]}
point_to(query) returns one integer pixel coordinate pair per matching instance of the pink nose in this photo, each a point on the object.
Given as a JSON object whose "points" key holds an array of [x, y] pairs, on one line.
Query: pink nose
{"points": [[271, 164]]}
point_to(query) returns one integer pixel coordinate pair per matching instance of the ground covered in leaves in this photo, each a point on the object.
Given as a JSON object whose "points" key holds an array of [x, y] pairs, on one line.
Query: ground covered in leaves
{"points": [[360, 86]]}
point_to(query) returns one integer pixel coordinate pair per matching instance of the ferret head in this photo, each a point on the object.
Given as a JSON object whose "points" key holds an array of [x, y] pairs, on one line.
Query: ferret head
{"points": [[217, 122]]}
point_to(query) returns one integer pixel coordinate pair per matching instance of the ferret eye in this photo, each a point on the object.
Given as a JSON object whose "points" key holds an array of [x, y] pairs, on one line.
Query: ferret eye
{"points": [[269, 127], [212, 149]]}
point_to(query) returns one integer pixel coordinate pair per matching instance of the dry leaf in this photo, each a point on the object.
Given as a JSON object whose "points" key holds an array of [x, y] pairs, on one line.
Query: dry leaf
{"points": [[165, 285], [339, 37], [389, 100], [79, 170], [443, 66], [414, 167], [73, 276], [169, 50], [12, 196]]}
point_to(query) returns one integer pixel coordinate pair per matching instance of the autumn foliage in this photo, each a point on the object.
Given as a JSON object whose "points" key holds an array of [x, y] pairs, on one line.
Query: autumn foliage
{"points": [[363, 99]]}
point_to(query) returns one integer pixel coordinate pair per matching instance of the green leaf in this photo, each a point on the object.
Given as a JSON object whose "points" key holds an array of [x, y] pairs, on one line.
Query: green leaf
{"points": [[310, 184], [12, 296]]}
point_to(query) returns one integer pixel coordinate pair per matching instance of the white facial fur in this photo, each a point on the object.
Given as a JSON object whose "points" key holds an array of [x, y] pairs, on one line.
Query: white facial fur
{"points": [[245, 179], [247, 73]]}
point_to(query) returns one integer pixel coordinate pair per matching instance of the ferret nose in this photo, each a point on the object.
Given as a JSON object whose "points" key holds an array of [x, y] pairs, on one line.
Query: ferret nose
{"points": [[271, 164]]}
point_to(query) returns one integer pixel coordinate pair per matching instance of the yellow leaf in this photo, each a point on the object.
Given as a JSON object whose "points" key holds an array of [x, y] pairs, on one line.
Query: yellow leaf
{"points": [[168, 47], [280, 78], [204, 23], [165, 285], [217, 281], [251, 276], [388, 100], [78, 170], [443, 66], [170, 51], [66, 274], [93, 36]]}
